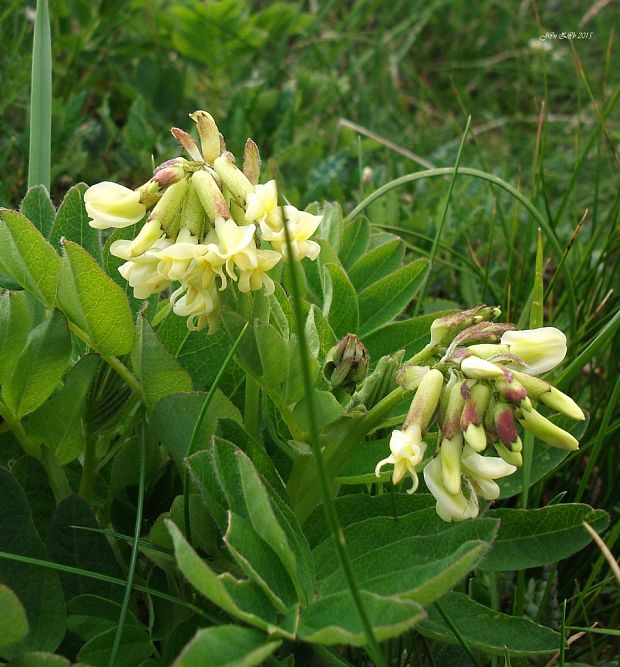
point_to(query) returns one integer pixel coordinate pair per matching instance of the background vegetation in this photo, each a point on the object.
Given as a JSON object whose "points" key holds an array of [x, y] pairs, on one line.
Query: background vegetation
{"points": [[345, 96]]}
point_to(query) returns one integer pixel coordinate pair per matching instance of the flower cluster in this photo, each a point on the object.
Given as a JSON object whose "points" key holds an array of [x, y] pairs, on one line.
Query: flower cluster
{"points": [[479, 383], [209, 223]]}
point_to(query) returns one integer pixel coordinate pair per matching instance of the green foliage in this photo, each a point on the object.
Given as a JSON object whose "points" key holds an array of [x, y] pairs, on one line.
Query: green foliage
{"points": [[40, 366], [94, 302], [82, 360]]}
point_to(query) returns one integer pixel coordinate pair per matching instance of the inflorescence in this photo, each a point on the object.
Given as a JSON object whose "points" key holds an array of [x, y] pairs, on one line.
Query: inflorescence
{"points": [[209, 222], [479, 382]]}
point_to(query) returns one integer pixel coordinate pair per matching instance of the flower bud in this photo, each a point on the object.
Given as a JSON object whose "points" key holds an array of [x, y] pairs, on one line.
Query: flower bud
{"points": [[480, 369], [476, 403], [513, 391], [505, 426], [346, 363], [210, 196], [513, 458], [550, 396], [540, 349], [169, 172], [112, 205], [193, 215], [169, 206], [425, 401], [450, 456], [188, 143], [379, 383], [444, 329], [208, 133], [410, 376], [547, 431], [251, 162], [233, 178], [450, 425]]}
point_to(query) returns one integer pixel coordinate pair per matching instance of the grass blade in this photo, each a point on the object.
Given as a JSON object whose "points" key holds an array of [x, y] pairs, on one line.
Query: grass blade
{"points": [[134, 549], [442, 222], [39, 162], [374, 649]]}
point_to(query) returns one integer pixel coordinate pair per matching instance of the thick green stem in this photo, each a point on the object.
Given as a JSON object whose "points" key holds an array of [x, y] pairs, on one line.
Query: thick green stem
{"points": [[14, 424]]}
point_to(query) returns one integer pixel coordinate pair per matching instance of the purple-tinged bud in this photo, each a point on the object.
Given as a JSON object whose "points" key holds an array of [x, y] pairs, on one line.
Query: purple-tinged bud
{"points": [[169, 172], [346, 363], [251, 162], [505, 426], [444, 329], [472, 417], [483, 332], [550, 396], [208, 133], [425, 401], [512, 391], [188, 144]]}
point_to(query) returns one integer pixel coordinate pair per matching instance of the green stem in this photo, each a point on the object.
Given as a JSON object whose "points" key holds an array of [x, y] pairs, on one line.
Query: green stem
{"points": [[14, 424]]}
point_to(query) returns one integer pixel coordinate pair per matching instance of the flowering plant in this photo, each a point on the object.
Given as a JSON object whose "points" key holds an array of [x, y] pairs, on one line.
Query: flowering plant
{"points": [[237, 366]]}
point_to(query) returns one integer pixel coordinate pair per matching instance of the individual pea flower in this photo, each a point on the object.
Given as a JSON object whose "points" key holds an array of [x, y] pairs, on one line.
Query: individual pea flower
{"points": [[199, 306], [346, 364], [532, 351], [141, 272], [253, 270], [262, 206], [482, 471], [110, 204], [301, 226], [450, 506], [233, 245], [541, 349], [406, 446], [175, 259]]}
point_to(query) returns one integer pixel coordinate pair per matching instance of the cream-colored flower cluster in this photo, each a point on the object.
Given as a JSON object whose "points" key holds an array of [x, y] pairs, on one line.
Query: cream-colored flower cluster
{"points": [[480, 382], [209, 223]]}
